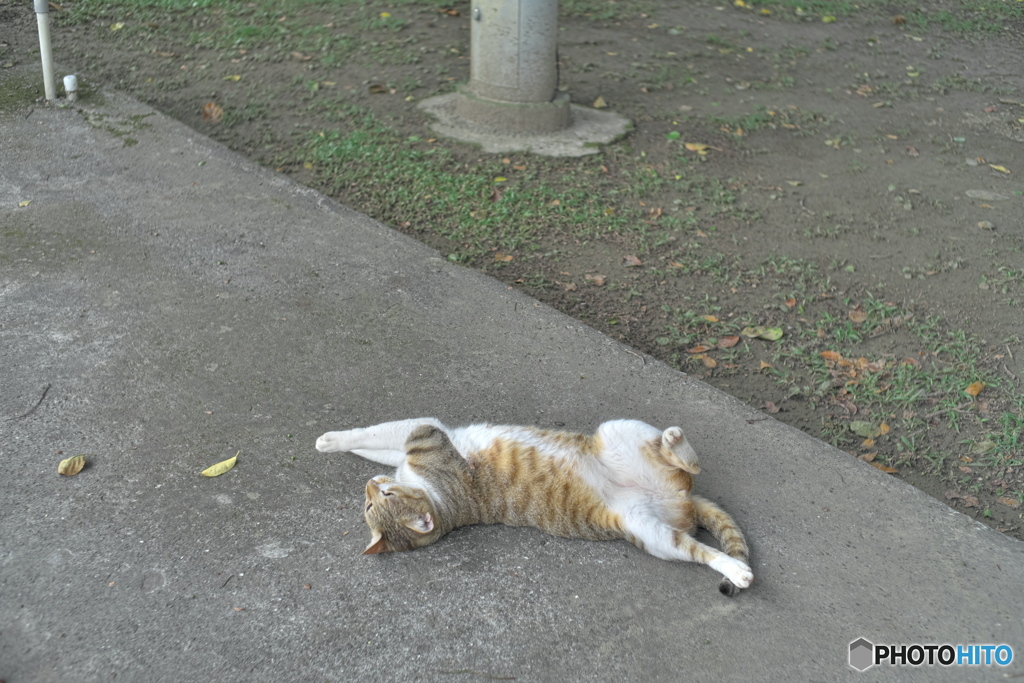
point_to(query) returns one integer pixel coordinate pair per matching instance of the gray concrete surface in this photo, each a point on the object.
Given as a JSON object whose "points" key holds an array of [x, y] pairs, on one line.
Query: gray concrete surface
{"points": [[182, 304]]}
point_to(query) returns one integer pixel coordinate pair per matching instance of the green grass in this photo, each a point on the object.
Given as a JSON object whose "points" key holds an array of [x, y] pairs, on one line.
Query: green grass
{"points": [[409, 180]]}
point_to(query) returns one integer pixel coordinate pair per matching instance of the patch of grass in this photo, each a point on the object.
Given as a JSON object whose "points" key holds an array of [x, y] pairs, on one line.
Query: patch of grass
{"points": [[482, 205]]}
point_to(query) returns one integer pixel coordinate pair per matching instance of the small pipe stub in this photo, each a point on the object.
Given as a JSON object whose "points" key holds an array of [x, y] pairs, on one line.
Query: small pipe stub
{"points": [[71, 87], [42, 6]]}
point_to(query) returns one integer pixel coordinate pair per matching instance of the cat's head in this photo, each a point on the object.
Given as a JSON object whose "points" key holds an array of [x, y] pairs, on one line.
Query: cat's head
{"points": [[400, 517]]}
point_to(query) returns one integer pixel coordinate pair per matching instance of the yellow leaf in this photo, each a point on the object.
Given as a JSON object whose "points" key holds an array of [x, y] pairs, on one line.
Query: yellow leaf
{"points": [[233, 77], [117, 27], [974, 389], [698, 147], [500, 179], [385, 15], [221, 467], [711, 318], [599, 103], [1001, 169], [708, 361], [25, 203], [828, 18], [887, 470], [884, 429], [502, 258], [766, 11], [764, 365], [71, 466], [867, 443]]}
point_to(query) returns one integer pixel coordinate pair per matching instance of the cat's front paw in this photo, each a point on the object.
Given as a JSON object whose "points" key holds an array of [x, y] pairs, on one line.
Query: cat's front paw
{"points": [[331, 442]]}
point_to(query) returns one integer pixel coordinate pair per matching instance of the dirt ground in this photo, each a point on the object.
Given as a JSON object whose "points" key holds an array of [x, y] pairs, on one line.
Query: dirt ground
{"points": [[858, 177]]}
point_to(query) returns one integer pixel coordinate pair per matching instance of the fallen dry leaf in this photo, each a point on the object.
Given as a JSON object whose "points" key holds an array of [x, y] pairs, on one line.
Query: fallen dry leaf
{"points": [[728, 342], [700, 348], [599, 103], [221, 467], [770, 407], [764, 365], [632, 261], [974, 388], [1010, 502], [868, 457], [212, 112], [885, 468], [71, 466], [858, 316], [708, 361], [502, 258], [596, 280]]}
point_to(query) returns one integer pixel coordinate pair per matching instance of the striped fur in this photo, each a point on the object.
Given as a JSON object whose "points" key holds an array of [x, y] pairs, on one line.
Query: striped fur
{"points": [[627, 480]]}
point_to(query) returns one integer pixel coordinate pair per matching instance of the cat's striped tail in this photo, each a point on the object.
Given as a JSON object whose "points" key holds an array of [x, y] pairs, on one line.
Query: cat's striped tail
{"points": [[724, 529]]}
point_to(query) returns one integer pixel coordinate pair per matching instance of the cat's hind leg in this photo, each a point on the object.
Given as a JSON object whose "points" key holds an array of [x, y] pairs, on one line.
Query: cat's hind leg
{"points": [[383, 443], [674, 441], [661, 540], [724, 529]]}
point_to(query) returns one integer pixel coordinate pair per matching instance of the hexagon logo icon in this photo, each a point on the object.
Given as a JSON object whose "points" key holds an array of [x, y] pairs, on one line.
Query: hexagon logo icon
{"points": [[862, 654]]}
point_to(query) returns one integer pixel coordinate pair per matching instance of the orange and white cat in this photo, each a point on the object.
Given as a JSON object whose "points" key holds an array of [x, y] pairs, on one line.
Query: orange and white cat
{"points": [[628, 480]]}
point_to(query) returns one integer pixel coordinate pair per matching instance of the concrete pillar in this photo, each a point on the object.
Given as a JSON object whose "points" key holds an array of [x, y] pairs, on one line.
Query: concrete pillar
{"points": [[513, 82]]}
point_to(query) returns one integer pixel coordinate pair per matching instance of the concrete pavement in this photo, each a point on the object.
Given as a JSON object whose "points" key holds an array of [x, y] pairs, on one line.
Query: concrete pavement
{"points": [[171, 303]]}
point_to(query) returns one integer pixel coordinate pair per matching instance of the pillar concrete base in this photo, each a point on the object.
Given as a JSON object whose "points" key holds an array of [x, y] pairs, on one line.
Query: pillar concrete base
{"points": [[508, 127], [514, 118]]}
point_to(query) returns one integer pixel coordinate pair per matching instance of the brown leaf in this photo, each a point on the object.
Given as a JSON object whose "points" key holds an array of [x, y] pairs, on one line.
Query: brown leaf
{"points": [[764, 365], [708, 361], [790, 303], [301, 57], [974, 388], [770, 407], [596, 280], [970, 501], [884, 468], [450, 12], [569, 286], [858, 316], [502, 258], [868, 457], [377, 88], [831, 356], [700, 348], [1011, 502], [728, 342], [599, 103], [632, 261], [912, 152], [212, 112]]}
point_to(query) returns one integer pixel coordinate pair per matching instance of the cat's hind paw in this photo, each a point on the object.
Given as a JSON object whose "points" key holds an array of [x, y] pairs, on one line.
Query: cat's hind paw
{"points": [[671, 436], [736, 572], [331, 442]]}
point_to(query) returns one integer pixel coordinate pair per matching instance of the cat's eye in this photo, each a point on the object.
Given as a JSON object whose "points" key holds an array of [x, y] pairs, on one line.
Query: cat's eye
{"points": [[368, 506], [387, 493]]}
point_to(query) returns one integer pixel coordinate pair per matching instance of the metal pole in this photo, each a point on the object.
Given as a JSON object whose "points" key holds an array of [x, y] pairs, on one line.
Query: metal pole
{"points": [[45, 50]]}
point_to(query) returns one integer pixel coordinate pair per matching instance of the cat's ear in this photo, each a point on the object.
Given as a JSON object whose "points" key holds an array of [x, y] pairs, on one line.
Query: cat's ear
{"points": [[376, 545], [421, 524]]}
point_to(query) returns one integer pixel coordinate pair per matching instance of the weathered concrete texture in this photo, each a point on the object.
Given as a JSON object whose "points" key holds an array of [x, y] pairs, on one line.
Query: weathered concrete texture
{"points": [[493, 125], [183, 304]]}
